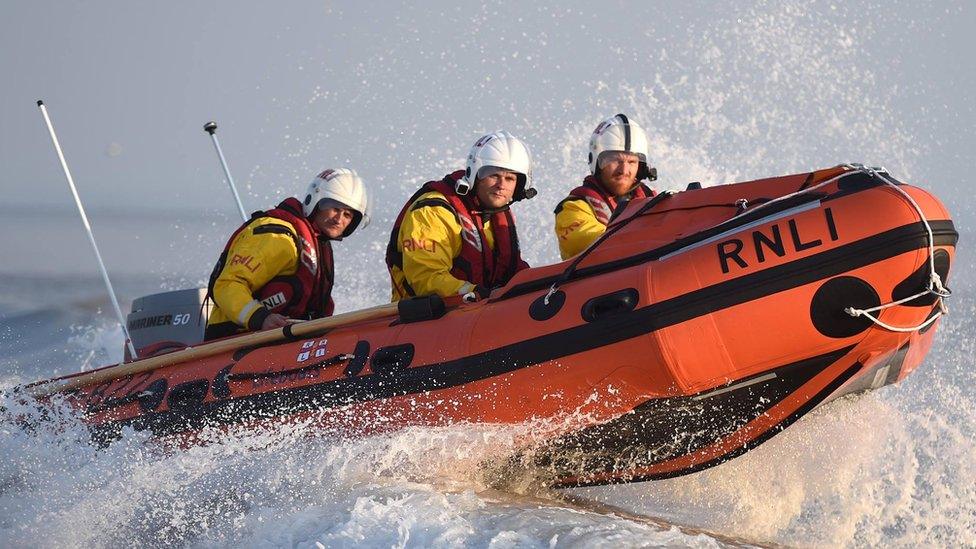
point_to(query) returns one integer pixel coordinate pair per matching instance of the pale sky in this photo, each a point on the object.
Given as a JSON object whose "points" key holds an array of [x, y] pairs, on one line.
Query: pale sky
{"points": [[401, 92]]}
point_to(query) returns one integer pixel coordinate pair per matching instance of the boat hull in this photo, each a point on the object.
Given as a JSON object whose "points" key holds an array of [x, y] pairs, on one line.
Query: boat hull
{"points": [[709, 321]]}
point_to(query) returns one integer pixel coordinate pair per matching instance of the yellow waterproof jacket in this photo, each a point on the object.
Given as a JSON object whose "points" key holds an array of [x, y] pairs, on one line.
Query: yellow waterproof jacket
{"points": [[252, 261], [576, 227], [430, 240], [583, 216]]}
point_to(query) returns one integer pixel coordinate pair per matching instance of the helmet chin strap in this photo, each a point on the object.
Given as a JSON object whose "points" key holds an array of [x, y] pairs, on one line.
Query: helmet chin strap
{"points": [[486, 212], [492, 211]]}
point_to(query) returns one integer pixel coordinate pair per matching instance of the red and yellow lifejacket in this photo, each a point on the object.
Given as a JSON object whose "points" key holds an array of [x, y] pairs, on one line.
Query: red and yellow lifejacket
{"points": [[603, 203], [476, 263], [307, 293]]}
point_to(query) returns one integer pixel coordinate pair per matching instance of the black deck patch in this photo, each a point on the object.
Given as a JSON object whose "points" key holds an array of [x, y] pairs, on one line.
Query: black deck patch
{"points": [[667, 428], [817, 399], [828, 304]]}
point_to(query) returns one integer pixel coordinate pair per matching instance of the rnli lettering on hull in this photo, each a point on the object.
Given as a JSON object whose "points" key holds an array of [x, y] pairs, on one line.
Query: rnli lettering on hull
{"points": [[771, 241]]}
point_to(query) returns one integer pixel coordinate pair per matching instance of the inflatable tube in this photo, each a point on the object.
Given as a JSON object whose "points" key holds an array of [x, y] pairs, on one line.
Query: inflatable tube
{"points": [[702, 324]]}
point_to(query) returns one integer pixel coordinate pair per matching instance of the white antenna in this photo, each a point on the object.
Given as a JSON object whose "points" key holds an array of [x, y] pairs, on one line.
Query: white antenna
{"points": [[211, 128], [91, 237]]}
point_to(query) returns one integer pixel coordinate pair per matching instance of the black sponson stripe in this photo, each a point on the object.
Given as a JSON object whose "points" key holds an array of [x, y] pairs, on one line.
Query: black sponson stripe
{"points": [[658, 423], [564, 343]]}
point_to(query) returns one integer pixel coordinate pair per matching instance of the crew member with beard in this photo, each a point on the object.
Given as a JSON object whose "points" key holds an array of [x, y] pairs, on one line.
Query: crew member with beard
{"points": [[618, 165]]}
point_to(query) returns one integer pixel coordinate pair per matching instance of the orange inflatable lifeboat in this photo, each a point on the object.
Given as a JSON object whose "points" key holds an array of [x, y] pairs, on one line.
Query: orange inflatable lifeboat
{"points": [[701, 324]]}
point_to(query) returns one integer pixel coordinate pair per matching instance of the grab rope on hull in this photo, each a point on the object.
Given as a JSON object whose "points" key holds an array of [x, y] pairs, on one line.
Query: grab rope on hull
{"points": [[935, 287]]}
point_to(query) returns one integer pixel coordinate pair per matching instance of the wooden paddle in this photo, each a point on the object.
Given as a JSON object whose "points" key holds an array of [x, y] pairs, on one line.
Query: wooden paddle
{"points": [[429, 303]]}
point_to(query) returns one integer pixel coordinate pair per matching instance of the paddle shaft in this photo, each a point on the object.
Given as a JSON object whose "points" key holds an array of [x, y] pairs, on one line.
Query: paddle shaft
{"points": [[46, 388]]}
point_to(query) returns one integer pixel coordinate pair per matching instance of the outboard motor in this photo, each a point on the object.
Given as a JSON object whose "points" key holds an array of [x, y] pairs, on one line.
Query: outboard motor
{"points": [[168, 321]]}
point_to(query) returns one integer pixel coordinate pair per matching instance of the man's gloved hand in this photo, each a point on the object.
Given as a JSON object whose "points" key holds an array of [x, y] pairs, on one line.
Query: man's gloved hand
{"points": [[478, 293], [275, 320]]}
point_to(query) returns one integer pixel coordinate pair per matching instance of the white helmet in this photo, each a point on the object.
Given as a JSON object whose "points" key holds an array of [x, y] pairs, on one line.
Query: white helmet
{"points": [[342, 185], [500, 150], [617, 133]]}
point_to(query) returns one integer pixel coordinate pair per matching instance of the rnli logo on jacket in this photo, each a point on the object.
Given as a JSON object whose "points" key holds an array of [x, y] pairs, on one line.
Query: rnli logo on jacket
{"points": [[778, 239], [274, 301], [422, 244], [470, 233], [309, 258], [246, 261]]}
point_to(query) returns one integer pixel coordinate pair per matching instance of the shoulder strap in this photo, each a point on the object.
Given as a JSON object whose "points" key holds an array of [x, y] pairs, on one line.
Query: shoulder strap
{"points": [[273, 228], [570, 198], [434, 202]]}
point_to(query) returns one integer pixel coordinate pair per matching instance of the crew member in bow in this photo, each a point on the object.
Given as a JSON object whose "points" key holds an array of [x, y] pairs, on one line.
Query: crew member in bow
{"points": [[456, 236], [277, 268], [618, 167]]}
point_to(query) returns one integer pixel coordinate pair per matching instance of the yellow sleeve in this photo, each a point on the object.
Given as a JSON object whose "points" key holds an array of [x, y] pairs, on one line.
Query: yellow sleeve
{"points": [[252, 261], [431, 238], [576, 227]]}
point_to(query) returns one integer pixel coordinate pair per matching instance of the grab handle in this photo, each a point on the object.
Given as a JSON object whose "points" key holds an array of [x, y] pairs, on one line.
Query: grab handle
{"points": [[621, 301]]}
